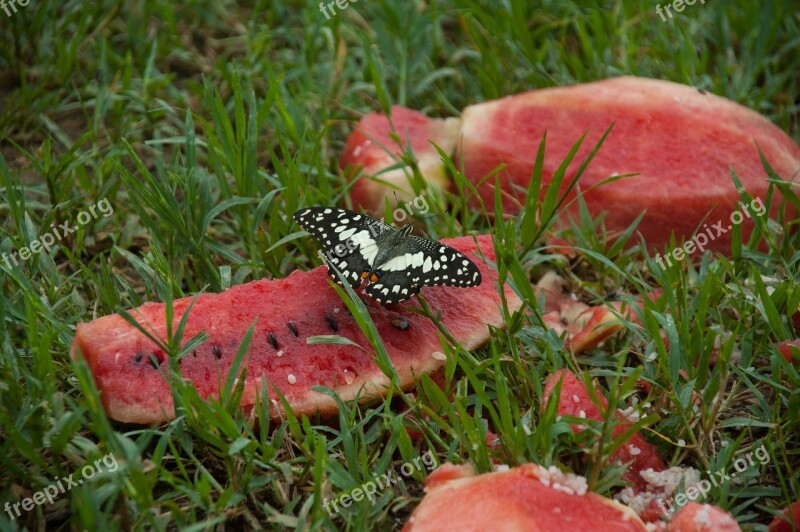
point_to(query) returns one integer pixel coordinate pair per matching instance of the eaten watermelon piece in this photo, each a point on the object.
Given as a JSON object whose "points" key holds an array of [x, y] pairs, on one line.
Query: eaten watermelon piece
{"points": [[681, 142], [790, 350], [288, 312], [575, 400], [528, 497], [695, 517], [371, 147], [789, 521], [585, 326]]}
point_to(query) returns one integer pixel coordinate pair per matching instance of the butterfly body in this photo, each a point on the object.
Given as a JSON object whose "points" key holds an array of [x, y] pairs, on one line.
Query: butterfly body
{"points": [[394, 263]]}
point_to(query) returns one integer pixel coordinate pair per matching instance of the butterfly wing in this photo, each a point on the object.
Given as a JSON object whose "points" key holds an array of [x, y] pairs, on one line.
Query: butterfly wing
{"points": [[422, 262], [349, 239]]}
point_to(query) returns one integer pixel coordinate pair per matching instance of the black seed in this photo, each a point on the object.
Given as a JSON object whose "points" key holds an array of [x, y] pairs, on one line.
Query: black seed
{"points": [[331, 322], [139, 357], [217, 352], [293, 328], [701, 91], [273, 340], [194, 353], [400, 323]]}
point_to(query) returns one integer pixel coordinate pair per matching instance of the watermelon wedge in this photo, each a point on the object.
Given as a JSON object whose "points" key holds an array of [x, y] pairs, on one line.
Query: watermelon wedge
{"points": [[789, 521], [576, 401], [372, 148], [528, 497], [682, 144], [695, 517], [289, 311]]}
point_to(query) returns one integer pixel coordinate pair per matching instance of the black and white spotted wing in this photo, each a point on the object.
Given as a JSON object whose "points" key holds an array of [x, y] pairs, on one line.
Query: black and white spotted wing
{"points": [[421, 262], [350, 239], [396, 264]]}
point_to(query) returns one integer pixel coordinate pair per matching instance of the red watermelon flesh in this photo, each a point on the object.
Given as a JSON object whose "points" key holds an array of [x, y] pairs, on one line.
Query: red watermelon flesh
{"points": [[576, 401], [525, 498], [133, 390], [789, 521], [680, 141], [695, 517], [371, 147]]}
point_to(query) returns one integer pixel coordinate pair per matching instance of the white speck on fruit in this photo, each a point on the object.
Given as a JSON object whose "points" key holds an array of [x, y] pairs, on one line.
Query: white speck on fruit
{"points": [[280, 352], [438, 355], [336, 310], [292, 379]]}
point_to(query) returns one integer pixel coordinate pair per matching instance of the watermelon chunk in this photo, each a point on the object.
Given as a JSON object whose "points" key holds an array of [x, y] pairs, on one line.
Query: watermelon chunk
{"points": [[528, 497], [289, 311], [682, 143], [789, 521], [371, 147], [790, 349], [696, 517], [576, 401]]}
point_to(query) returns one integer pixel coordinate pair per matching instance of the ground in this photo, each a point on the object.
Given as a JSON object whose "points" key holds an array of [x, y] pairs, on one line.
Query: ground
{"points": [[183, 138]]}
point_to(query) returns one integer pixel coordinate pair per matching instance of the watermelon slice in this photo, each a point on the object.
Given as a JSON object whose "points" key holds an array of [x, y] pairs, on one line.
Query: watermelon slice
{"points": [[576, 401], [289, 311], [789, 521], [681, 142], [790, 350], [372, 148], [528, 497], [696, 517]]}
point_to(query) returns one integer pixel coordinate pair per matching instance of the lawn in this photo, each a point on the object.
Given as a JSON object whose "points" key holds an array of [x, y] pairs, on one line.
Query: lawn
{"points": [[180, 140]]}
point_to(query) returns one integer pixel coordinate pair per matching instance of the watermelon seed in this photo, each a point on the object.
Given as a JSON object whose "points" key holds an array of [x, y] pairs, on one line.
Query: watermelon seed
{"points": [[400, 323], [293, 328], [217, 352], [332, 322], [139, 357], [273, 340]]}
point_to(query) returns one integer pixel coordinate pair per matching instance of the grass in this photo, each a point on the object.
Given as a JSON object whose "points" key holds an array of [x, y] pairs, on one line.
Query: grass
{"points": [[207, 126]]}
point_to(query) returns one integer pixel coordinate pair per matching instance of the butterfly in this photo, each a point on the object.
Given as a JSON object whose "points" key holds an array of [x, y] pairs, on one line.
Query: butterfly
{"points": [[396, 264]]}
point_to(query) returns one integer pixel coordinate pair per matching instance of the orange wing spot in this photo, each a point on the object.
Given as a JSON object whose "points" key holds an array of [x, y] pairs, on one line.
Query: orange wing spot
{"points": [[373, 278], [364, 275]]}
